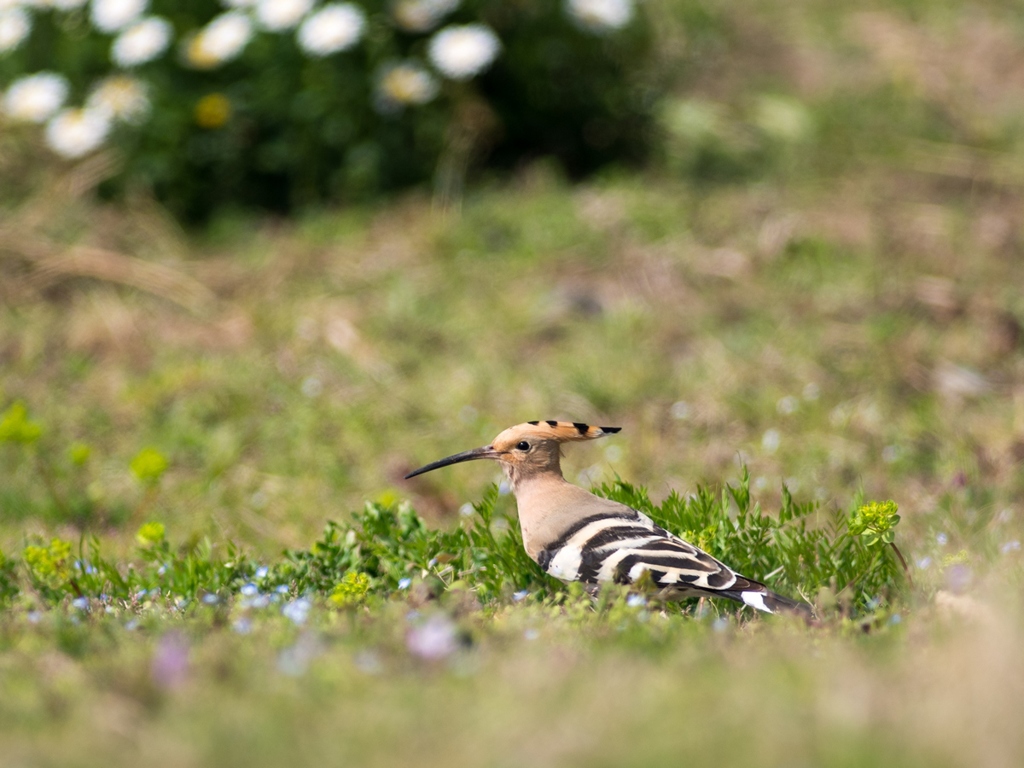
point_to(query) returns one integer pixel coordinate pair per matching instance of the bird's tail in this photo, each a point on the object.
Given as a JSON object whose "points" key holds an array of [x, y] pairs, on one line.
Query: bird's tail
{"points": [[758, 596]]}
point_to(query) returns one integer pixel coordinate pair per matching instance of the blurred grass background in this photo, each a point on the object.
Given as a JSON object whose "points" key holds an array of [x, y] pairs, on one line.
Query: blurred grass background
{"points": [[818, 274]]}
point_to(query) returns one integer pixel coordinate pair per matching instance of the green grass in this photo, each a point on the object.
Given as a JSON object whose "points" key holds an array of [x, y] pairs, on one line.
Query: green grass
{"points": [[835, 310]]}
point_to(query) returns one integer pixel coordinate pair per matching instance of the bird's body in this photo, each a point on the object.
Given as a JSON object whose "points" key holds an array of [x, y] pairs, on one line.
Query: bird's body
{"points": [[577, 536]]}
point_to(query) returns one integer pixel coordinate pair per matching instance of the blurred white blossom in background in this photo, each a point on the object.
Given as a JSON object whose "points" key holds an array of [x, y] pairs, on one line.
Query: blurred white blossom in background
{"points": [[402, 84], [601, 15], [461, 52], [15, 25], [333, 28], [114, 15], [421, 15], [120, 98], [35, 98], [77, 132], [278, 15], [142, 42], [220, 41]]}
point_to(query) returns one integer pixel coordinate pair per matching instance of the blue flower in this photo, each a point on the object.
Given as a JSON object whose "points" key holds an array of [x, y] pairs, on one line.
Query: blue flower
{"points": [[242, 626], [404, 583], [297, 610]]}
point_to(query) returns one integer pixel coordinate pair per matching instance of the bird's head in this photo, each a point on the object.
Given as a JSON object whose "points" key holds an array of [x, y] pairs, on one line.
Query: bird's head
{"points": [[526, 449]]}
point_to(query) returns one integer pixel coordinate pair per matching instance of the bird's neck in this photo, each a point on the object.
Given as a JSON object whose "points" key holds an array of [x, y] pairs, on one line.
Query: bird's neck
{"points": [[544, 469], [548, 505]]}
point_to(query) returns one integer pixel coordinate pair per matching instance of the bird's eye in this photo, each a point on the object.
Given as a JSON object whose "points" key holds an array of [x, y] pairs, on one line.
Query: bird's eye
{"points": [[522, 445]]}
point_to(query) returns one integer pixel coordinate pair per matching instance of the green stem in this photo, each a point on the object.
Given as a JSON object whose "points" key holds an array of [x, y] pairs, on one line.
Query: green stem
{"points": [[906, 569], [147, 501], [51, 484]]}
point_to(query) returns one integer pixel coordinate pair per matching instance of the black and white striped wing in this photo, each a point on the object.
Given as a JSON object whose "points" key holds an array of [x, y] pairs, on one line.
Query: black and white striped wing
{"points": [[622, 548]]}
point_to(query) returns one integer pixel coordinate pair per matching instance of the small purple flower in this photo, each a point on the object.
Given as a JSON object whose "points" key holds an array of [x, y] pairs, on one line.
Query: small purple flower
{"points": [[170, 661], [521, 595], [404, 583], [1010, 546], [81, 603], [210, 599], [248, 590], [434, 639], [958, 577]]}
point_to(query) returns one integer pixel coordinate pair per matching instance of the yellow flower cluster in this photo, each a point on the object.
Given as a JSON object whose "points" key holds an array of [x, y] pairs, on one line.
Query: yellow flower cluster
{"points": [[351, 590], [48, 564]]}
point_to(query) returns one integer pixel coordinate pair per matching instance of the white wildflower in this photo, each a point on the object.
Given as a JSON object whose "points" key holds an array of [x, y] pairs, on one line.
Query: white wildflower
{"points": [[422, 15], [331, 29], [121, 98], [114, 15], [77, 132], [142, 42], [278, 15], [402, 84], [462, 52], [35, 98], [222, 40], [15, 24], [600, 15]]}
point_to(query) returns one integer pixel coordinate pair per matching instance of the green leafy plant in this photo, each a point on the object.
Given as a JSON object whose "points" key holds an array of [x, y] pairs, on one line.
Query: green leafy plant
{"points": [[387, 546], [801, 550], [876, 523]]}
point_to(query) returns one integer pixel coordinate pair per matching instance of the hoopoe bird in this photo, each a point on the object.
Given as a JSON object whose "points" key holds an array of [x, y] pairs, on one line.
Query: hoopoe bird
{"points": [[577, 536]]}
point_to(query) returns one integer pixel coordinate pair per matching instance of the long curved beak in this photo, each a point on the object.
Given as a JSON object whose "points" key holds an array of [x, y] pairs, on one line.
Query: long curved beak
{"points": [[486, 452]]}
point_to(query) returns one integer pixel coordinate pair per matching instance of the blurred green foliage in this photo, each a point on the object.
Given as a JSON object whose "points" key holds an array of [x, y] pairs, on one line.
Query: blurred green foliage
{"points": [[277, 127]]}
